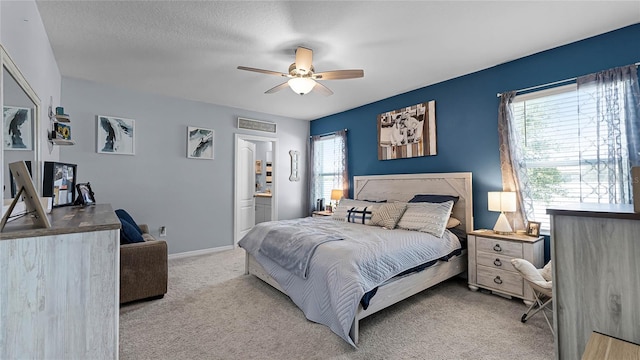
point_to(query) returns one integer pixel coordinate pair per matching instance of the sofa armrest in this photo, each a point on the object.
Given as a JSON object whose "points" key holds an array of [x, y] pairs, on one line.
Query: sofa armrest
{"points": [[143, 270]]}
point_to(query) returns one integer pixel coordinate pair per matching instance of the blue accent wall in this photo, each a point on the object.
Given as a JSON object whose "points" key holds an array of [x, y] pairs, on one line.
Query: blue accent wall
{"points": [[467, 113]]}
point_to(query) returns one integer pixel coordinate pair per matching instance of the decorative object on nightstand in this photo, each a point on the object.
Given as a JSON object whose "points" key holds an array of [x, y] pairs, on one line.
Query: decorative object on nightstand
{"points": [[533, 228], [336, 195], [490, 267], [502, 201]]}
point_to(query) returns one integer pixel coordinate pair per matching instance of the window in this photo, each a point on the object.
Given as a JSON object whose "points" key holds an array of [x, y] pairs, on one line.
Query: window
{"points": [[572, 152], [328, 165]]}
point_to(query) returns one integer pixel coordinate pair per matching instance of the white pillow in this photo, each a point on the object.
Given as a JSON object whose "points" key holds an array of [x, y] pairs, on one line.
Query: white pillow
{"points": [[546, 272], [388, 214], [431, 218]]}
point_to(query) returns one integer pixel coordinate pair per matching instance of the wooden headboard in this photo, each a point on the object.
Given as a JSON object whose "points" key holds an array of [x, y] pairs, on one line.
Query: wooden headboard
{"points": [[403, 187]]}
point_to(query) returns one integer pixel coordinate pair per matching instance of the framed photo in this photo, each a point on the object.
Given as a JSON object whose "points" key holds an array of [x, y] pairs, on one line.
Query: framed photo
{"points": [[85, 194], [407, 132], [115, 135], [18, 128], [533, 228], [199, 143], [59, 183]]}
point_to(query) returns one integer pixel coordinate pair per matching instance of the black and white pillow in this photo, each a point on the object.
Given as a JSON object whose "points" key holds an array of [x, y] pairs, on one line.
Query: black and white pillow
{"points": [[360, 215]]}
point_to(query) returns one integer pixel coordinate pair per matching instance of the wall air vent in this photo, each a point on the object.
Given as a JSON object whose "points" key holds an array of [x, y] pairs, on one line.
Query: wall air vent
{"points": [[256, 125]]}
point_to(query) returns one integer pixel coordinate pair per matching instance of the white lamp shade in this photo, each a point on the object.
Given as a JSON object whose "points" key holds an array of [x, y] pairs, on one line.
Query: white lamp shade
{"points": [[502, 201], [301, 85], [336, 194]]}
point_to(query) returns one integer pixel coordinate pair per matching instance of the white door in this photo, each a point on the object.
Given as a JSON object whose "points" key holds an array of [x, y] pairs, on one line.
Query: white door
{"points": [[246, 186]]}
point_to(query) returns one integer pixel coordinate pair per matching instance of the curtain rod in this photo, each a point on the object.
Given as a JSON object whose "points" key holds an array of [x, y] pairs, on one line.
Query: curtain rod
{"points": [[551, 83], [327, 134]]}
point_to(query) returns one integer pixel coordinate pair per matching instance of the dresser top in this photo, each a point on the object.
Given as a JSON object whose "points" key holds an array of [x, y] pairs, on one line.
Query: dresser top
{"points": [[612, 211], [65, 220]]}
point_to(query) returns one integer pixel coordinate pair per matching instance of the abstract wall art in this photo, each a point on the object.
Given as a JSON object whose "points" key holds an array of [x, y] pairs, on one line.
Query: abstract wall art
{"points": [[116, 135], [18, 128], [199, 143]]}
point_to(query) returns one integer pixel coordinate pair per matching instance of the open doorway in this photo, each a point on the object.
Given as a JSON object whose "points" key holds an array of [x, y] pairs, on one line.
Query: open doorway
{"points": [[255, 182]]}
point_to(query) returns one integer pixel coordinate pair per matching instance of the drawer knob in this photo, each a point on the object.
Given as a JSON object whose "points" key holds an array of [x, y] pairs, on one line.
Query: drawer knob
{"points": [[497, 248], [497, 262], [497, 280]]}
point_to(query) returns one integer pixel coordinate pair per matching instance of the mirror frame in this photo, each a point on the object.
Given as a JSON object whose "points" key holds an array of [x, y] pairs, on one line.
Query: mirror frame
{"points": [[7, 63]]}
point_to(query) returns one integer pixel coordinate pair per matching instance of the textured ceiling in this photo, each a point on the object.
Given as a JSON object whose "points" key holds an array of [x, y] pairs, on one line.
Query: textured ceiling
{"points": [[191, 49]]}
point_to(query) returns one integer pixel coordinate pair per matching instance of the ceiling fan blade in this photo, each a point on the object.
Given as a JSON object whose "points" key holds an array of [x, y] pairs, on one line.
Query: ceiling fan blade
{"points": [[339, 75], [277, 88], [322, 89], [268, 72], [304, 59]]}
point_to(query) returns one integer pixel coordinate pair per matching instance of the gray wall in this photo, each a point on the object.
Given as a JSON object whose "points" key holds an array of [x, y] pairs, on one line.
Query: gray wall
{"points": [[159, 185], [22, 34]]}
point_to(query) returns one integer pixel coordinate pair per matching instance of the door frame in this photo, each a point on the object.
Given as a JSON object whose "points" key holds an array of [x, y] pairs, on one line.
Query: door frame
{"points": [[274, 184]]}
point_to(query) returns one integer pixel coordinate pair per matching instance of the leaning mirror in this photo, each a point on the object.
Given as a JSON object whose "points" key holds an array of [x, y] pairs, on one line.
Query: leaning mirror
{"points": [[21, 111]]}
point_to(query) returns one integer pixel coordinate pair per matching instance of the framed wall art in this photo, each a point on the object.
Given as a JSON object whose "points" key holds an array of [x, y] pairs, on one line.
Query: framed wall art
{"points": [[115, 135], [407, 132], [18, 128], [199, 143]]}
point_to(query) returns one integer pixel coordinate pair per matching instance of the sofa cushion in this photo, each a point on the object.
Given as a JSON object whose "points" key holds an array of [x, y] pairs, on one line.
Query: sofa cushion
{"points": [[124, 215], [129, 234]]}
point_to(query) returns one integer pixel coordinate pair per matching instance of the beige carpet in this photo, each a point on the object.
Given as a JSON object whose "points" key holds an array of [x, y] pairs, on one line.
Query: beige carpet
{"points": [[213, 311]]}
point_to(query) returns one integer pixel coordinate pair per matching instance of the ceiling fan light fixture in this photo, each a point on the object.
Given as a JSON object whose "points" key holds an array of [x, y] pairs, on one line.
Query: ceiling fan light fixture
{"points": [[301, 85]]}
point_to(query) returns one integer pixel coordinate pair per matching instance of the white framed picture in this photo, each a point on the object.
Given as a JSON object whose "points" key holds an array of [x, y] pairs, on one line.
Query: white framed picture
{"points": [[116, 135], [18, 128], [199, 143]]}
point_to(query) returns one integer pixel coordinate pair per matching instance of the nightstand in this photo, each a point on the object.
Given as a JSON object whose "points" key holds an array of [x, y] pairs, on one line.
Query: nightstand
{"points": [[321, 213], [490, 266]]}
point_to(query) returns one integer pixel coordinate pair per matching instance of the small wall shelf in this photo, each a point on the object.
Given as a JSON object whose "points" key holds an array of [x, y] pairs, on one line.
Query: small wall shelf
{"points": [[54, 120]]}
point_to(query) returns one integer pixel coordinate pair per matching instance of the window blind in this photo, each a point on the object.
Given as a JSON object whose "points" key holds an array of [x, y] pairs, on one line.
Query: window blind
{"points": [[571, 154]]}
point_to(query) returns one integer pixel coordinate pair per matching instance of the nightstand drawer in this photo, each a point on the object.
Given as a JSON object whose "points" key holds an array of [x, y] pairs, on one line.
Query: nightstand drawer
{"points": [[496, 261], [500, 280], [502, 247]]}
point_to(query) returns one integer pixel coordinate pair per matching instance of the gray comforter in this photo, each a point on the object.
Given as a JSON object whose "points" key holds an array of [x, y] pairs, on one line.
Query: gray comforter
{"points": [[292, 246], [341, 272]]}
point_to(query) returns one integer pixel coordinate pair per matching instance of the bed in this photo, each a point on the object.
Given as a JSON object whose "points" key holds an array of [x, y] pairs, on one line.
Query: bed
{"points": [[348, 308]]}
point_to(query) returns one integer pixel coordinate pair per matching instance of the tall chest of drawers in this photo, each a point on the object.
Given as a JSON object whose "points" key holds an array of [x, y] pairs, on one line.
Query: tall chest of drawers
{"points": [[490, 266]]}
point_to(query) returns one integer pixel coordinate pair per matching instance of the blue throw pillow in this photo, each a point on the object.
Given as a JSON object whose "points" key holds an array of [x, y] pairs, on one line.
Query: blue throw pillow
{"points": [[129, 234], [434, 198], [124, 215]]}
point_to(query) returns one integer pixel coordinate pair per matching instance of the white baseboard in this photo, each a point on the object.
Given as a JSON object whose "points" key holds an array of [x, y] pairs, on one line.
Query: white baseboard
{"points": [[200, 252]]}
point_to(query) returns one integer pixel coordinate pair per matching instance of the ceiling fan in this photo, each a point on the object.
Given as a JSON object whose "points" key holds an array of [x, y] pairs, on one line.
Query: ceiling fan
{"points": [[302, 78]]}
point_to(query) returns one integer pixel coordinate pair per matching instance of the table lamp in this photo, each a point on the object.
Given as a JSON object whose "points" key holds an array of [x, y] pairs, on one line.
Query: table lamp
{"points": [[502, 201], [336, 195]]}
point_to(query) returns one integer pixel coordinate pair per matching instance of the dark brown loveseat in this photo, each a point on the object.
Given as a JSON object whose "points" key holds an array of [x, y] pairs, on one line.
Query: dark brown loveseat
{"points": [[143, 269]]}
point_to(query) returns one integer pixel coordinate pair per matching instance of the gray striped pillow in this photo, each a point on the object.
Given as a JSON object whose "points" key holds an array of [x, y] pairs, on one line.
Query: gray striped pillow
{"points": [[431, 218], [388, 215]]}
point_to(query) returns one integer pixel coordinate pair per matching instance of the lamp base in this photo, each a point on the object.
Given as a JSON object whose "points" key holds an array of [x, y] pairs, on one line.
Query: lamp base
{"points": [[502, 225]]}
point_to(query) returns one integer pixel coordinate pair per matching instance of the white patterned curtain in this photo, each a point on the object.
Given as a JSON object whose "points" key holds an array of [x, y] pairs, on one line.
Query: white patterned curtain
{"points": [[512, 164], [328, 167], [609, 101]]}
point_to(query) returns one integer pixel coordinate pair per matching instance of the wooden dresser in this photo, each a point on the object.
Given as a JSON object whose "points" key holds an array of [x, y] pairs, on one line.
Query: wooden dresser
{"points": [[59, 287], [595, 249]]}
